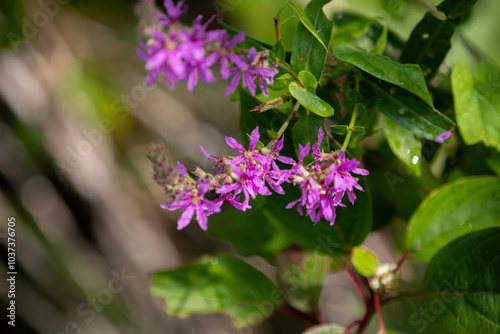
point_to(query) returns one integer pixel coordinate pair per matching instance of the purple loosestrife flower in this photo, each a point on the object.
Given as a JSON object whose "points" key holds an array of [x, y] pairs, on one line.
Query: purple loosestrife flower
{"points": [[325, 182], [277, 176], [225, 54], [248, 170], [245, 72], [173, 12], [342, 179], [192, 200]]}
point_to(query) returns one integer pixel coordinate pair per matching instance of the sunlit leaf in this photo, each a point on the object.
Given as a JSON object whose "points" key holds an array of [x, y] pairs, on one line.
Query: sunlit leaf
{"points": [[477, 103], [364, 261], [308, 53], [404, 145], [301, 15], [218, 284], [310, 100]]}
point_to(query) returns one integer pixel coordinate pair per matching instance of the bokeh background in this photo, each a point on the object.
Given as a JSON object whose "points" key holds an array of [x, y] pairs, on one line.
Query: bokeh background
{"points": [[76, 120]]}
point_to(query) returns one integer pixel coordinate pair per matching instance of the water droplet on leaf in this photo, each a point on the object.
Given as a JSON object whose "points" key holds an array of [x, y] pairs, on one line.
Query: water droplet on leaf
{"points": [[425, 36], [415, 159], [401, 111], [214, 260]]}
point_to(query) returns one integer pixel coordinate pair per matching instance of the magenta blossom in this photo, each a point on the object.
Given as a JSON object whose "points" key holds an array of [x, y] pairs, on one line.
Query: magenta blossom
{"points": [[324, 184], [246, 73], [193, 201]]}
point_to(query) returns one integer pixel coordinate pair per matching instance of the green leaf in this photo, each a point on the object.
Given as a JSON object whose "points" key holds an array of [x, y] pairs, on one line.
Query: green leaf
{"points": [[278, 53], [310, 100], [430, 40], [301, 275], [477, 103], [364, 261], [301, 15], [350, 31], [282, 81], [407, 76], [462, 285], [404, 145], [325, 329], [381, 43], [405, 109], [457, 208], [305, 130], [352, 224], [221, 284], [308, 53], [339, 129], [308, 81]]}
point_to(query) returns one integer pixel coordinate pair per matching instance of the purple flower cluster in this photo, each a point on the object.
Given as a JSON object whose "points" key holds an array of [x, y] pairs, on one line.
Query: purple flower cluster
{"points": [[181, 53], [323, 183]]}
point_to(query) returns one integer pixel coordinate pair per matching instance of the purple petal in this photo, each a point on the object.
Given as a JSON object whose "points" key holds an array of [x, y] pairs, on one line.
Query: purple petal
{"points": [[285, 160], [175, 205], [303, 152], [224, 68], [348, 165], [182, 169], [251, 55], [254, 138], [315, 149], [157, 60], [227, 188], [185, 218], [238, 38], [193, 79], [205, 153], [239, 61], [360, 171], [443, 136], [233, 85], [249, 82], [201, 217], [233, 143], [292, 204]]}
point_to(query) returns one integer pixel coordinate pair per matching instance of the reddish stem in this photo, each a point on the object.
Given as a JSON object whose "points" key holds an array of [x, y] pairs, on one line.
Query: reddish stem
{"points": [[376, 302], [358, 286], [351, 325], [276, 29], [402, 259]]}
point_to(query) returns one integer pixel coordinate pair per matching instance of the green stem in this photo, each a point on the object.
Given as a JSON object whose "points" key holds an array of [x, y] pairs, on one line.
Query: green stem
{"points": [[351, 126], [287, 69], [353, 117], [284, 125]]}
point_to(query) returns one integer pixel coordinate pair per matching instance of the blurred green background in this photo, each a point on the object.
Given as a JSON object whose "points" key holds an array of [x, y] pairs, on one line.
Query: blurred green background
{"points": [[76, 120]]}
